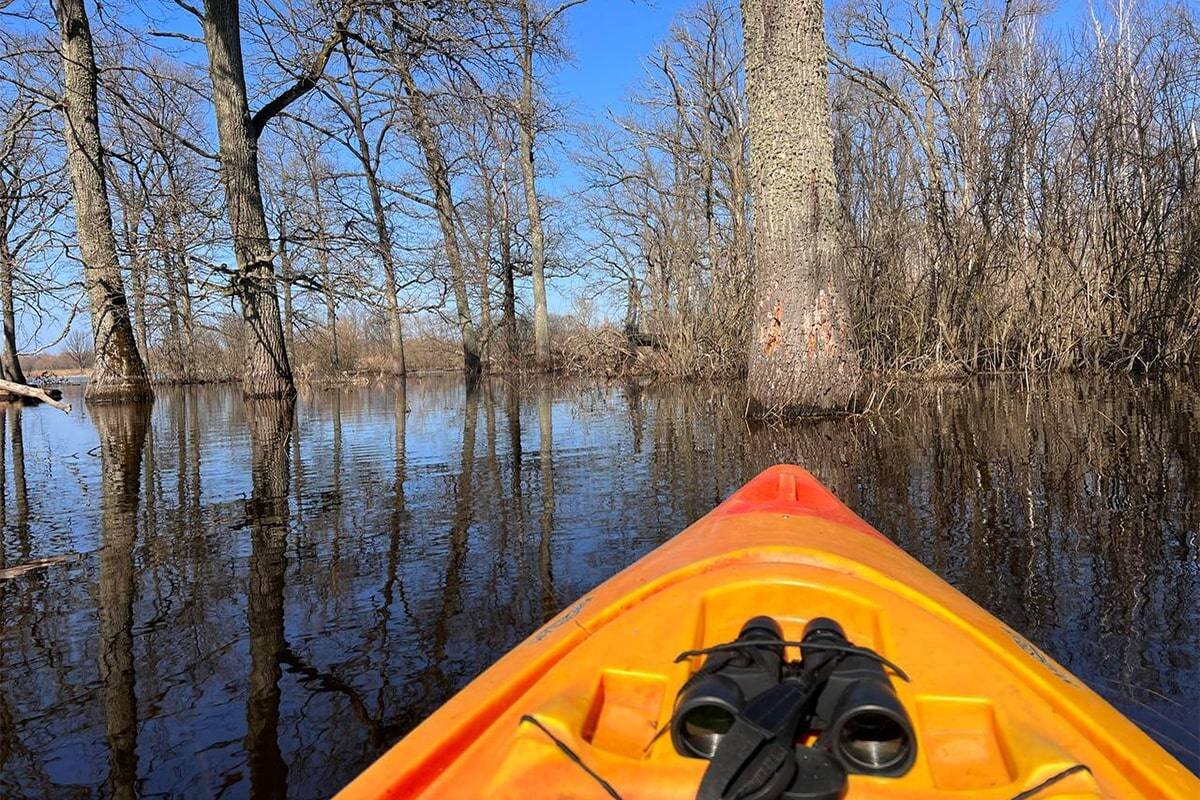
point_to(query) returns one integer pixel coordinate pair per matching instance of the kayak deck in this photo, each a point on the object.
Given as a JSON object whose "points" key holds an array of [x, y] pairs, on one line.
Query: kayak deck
{"points": [[994, 717]]}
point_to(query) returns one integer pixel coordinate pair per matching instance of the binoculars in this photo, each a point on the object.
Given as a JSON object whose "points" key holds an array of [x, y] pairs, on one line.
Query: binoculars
{"points": [[836, 691]]}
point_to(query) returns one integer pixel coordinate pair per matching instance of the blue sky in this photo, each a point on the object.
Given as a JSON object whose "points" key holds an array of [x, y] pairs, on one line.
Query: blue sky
{"points": [[610, 39], [609, 42]]}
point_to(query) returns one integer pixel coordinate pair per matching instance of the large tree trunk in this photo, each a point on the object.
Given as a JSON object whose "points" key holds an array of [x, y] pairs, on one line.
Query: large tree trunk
{"points": [[118, 373], [266, 371], [10, 366], [533, 206], [438, 175], [801, 357]]}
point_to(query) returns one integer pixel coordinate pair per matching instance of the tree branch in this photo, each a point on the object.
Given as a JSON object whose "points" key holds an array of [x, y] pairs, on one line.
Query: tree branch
{"points": [[308, 81]]}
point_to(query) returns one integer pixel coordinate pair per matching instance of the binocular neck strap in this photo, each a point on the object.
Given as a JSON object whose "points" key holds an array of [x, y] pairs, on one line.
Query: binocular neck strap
{"points": [[755, 758]]}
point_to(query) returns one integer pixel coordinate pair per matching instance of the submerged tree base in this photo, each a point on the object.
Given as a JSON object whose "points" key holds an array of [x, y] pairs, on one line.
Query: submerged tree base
{"points": [[118, 389]]}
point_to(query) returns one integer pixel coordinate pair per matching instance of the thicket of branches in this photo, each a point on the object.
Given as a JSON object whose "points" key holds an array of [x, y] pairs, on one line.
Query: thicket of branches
{"points": [[1019, 188], [400, 148], [1023, 195]]}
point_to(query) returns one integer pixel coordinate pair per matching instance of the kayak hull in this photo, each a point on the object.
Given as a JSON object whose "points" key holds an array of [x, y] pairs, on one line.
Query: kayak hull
{"points": [[994, 716]]}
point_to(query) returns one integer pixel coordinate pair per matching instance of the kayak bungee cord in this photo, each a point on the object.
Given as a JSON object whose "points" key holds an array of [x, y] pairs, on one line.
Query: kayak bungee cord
{"points": [[572, 755], [1027, 794], [1053, 779]]}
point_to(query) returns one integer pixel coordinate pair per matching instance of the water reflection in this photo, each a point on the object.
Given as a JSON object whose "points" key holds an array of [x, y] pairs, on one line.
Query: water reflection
{"points": [[222, 598], [546, 518], [122, 432], [268, 514], [16, 438]]}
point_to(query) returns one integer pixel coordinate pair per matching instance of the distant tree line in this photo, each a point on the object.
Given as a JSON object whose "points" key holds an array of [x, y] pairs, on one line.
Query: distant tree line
{"points": [[307, 166], [251, 190]]}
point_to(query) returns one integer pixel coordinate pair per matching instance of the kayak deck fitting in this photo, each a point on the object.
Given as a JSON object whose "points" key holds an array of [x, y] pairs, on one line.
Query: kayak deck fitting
{"points": [[582, 707]]}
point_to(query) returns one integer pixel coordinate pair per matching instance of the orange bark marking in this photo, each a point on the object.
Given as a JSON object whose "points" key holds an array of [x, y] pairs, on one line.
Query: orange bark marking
{"points": [[774, 336]]}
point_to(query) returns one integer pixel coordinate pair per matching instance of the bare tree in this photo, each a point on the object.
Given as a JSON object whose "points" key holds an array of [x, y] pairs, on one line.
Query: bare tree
{"points": [[667, 198], [801, 355], [531, 34], [1019, 200], [267, 371], [369, 158], [78, 346], [29, 200], [119, 372], [437, 174]]}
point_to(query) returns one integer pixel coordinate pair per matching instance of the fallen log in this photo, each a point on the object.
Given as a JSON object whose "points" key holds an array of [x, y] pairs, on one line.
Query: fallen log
{"points": [[33, 393], [38, 563]]}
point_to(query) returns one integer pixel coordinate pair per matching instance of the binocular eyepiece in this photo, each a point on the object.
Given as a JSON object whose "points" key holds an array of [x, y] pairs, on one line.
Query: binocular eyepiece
{"points": [[710, 701], [851, 706], [858, 714]]}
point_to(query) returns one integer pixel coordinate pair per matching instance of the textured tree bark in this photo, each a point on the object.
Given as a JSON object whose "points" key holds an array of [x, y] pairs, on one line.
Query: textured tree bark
{"points": [[533, 206], [122, 430], [119, 373], [438, 175], [266, 371], [10, 366], [801, 356]]}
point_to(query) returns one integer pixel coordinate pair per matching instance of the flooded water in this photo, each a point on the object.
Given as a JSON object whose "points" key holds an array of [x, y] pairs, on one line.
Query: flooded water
{"points": [[213, 598]]}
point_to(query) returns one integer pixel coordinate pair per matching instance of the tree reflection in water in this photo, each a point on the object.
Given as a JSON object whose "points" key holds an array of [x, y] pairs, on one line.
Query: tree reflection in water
{"points": [[270, 428], [295, 590], [122, 431]]}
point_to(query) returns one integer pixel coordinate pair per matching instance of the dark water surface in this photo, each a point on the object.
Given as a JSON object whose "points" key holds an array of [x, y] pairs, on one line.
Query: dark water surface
{"points": [[227, 600]]}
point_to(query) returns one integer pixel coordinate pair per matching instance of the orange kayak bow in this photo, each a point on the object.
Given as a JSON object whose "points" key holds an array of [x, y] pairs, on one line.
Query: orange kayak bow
{"points": [[580, 708]]}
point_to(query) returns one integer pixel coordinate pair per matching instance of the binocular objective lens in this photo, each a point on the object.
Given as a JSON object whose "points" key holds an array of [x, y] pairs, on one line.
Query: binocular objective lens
{"points": [[873, 741], [703, 728]]}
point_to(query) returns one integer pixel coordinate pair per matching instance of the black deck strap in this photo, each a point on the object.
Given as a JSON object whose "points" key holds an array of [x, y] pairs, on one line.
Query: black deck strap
{"points": [[755, 758], [1053, 779], [573, 756], [746, 761], [866, 652]]}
